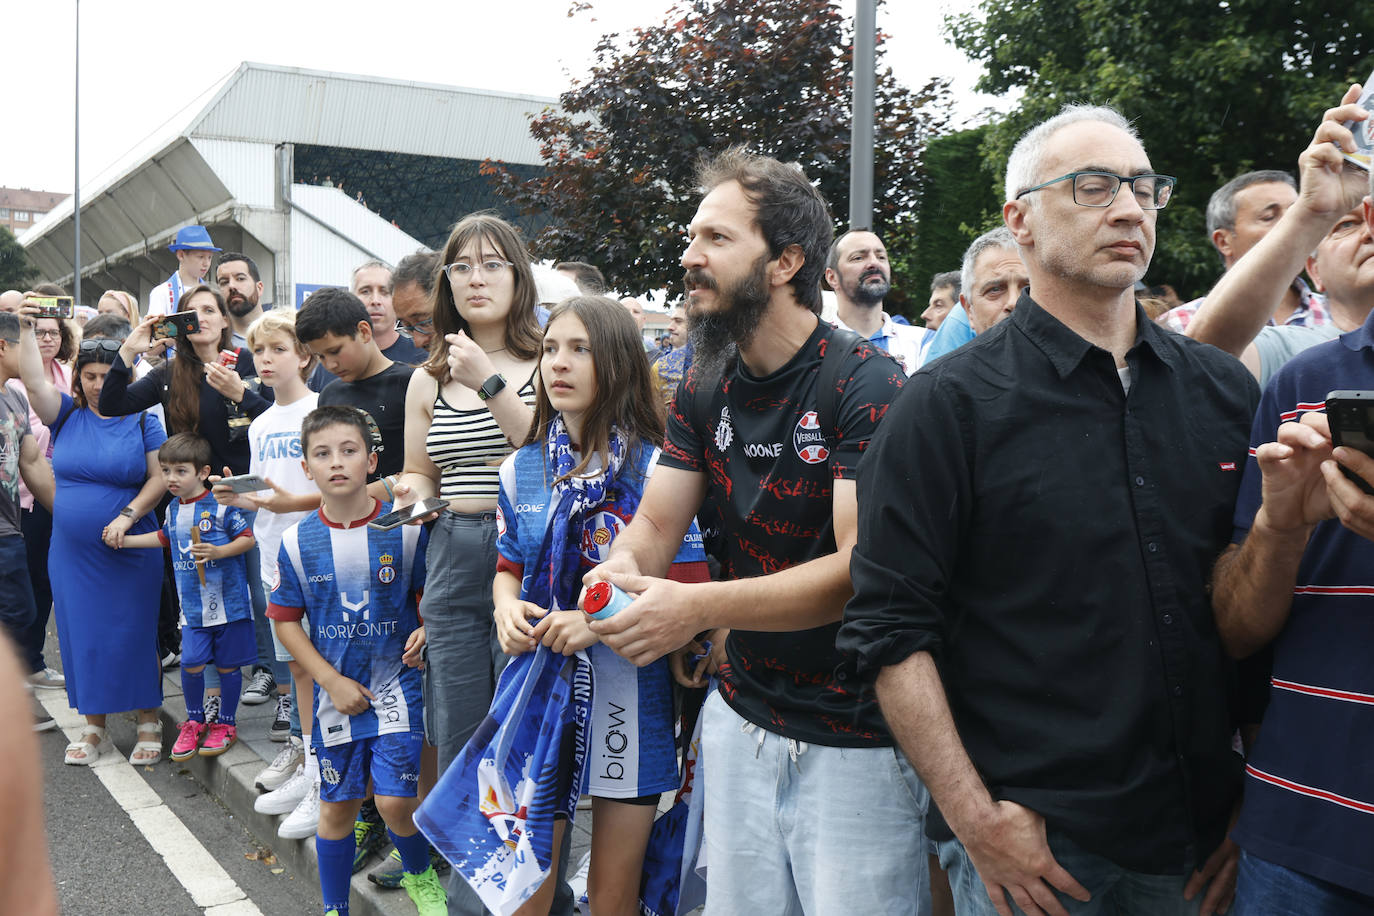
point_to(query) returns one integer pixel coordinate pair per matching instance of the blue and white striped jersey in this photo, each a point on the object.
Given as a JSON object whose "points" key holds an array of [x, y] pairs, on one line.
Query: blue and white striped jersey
{"points": [[224, 596], [358, 588]]}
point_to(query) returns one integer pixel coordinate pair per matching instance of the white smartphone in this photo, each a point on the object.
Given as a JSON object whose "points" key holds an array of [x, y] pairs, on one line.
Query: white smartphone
{"points": [[244, 483], [407, 513]]}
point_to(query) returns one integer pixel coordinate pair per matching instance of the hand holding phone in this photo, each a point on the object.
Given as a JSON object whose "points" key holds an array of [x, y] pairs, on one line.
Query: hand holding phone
{"points": [[1350, 415], [407, 514]]}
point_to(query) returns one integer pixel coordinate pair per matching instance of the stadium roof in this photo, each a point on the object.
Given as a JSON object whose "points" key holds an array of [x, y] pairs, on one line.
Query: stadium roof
{"points": [[400, 144]]}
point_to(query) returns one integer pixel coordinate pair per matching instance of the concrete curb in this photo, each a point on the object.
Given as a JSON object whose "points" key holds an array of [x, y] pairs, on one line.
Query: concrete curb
{"points": [[229, 778]]}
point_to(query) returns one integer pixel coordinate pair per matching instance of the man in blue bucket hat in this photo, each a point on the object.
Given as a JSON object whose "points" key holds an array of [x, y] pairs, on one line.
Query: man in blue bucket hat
{"points": [[194, 251]]}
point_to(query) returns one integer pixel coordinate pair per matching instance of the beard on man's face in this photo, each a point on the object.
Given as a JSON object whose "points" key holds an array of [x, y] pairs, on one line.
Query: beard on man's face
{"points": [[240, 305], [869, 289], [716, 336]]}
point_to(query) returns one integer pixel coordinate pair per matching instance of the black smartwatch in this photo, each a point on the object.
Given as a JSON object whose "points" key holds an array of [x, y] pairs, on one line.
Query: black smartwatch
{"points": [[127, 512], [492, 387]]}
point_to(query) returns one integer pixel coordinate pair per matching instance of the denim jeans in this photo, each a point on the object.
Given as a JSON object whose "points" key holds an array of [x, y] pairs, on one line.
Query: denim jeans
{"points": [[792, 828], [462, 656], [1115, 891], [1266, 889]]}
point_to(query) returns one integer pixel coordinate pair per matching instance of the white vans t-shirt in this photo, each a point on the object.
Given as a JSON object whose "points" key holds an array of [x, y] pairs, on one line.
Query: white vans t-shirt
{"points": [[275, 437]]}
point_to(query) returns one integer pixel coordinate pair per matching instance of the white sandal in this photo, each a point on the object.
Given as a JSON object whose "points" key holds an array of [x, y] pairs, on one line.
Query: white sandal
{"points": [[150, 744], [89, 753]]}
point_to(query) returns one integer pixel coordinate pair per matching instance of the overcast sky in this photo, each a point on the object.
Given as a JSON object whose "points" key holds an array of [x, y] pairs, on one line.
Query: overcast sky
{"points": [[144, 60]]}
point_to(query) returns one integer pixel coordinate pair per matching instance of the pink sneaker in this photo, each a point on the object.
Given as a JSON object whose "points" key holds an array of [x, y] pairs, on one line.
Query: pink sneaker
{"points": [[188, 739], [219, 739]]}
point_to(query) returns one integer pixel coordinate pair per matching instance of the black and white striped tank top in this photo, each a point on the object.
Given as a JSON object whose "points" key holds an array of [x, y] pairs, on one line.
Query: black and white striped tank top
{"points": [[467, 446]]}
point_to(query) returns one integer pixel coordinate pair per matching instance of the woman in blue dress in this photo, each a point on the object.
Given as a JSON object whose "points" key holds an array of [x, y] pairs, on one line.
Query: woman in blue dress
{"points": [[106, 601]]}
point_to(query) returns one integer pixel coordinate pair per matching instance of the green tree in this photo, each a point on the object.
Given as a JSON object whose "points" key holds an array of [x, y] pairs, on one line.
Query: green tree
{"points": [[618, 188], [1215, 87], [958, 204], [16, 270]]}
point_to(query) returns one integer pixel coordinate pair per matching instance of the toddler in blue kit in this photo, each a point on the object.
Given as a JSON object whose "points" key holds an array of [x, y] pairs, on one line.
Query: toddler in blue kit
{"points": [[357, 586], [208, 541]]}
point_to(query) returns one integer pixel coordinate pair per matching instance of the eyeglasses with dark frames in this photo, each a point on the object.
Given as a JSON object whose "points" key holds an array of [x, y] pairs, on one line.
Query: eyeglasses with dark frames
{"points": [[1099, 189]]}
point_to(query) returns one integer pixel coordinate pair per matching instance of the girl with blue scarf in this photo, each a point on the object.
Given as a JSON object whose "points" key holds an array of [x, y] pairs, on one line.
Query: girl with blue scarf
{"points": [[564, 496]]}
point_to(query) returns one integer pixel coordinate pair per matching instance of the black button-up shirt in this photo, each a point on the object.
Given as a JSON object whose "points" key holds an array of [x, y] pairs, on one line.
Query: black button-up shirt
{"points": [[1049, 539]]}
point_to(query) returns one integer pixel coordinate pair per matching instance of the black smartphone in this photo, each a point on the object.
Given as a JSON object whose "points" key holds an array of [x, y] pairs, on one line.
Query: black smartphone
{"points": [[1350, 414], [53, 306], [172, 324], [406, 513]]}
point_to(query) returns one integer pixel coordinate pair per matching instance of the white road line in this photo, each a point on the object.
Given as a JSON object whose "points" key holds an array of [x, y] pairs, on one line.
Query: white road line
{"points": [[189, 862]]}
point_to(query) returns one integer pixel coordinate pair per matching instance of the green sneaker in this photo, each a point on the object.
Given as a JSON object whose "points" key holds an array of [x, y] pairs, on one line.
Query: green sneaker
{"points": [[387, 873], [426, 892]]}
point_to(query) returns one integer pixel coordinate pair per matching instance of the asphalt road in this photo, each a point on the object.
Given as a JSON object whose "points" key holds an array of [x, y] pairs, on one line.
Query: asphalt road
{"points": [[103, 864]]}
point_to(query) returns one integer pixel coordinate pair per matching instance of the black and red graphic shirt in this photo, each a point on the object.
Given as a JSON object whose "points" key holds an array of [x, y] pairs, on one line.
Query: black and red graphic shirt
{"points": [[770, 468]]}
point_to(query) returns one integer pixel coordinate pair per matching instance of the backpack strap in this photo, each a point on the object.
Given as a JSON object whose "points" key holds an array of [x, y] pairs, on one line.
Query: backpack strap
{"points": [[841, 344]]}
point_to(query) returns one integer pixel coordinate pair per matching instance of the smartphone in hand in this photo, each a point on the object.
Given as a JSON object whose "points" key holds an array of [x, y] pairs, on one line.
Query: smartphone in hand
{"points": [[1350, 414]]}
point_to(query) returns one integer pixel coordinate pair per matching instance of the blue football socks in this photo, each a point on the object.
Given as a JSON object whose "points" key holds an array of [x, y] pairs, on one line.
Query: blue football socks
{"points": [[231, 683], [193, 691], [336, 869], [414, 850]]}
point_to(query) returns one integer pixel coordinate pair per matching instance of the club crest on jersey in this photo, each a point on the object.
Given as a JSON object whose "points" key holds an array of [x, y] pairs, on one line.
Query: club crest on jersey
{"points": [[500, 523], [808, 439], [206, 523], [386, 573], [725, 433], [598, 533]]}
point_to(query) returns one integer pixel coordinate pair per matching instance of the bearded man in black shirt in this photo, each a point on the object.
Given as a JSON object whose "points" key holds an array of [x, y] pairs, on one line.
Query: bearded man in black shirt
{"points": [[809, 807], [1039, 517]]}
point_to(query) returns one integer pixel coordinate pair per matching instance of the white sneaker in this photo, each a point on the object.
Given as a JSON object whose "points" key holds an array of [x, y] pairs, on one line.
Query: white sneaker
{"points": [[287, 796], [212, 709], [288, 759], [305, 820], [47, 679]]}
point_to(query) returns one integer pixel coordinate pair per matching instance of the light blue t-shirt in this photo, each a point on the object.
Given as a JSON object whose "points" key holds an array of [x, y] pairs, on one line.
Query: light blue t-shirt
{"points": [[954, 332]]}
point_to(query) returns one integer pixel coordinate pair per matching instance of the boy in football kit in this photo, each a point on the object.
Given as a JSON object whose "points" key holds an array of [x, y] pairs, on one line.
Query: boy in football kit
{"points": [[208, 541], [357, 586]]}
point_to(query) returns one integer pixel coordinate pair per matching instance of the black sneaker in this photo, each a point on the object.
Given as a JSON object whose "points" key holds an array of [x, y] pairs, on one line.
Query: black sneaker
{"points": [[370, 835], [281, 719], [212, 709], [261, 688]]}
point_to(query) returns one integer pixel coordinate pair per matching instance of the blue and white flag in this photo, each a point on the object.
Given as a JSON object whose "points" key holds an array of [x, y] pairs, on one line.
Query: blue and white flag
{"points": [[674, 879], [492, 812]]}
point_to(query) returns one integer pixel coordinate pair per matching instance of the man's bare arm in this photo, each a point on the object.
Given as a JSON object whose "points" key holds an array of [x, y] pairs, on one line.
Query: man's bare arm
{"points": [[1252, 586], [666, 615], [1247, 294]]}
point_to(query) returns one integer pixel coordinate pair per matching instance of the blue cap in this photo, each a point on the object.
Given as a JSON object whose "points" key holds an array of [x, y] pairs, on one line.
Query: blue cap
{"points": [[192, 238]]}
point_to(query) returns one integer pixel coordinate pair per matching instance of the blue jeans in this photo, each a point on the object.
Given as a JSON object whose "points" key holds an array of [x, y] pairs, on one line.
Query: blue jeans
{"points": [[463, 659], [1115, 891], [1266, 889], [833, 830]]}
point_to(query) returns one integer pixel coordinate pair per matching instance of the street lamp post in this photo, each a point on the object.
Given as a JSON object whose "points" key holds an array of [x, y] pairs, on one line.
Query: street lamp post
{"points": [[76, 178], [861, 128]]}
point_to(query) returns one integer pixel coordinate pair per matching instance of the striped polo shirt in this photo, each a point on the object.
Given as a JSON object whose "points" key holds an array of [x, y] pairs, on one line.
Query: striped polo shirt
{"points": [[1309, 793]]}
